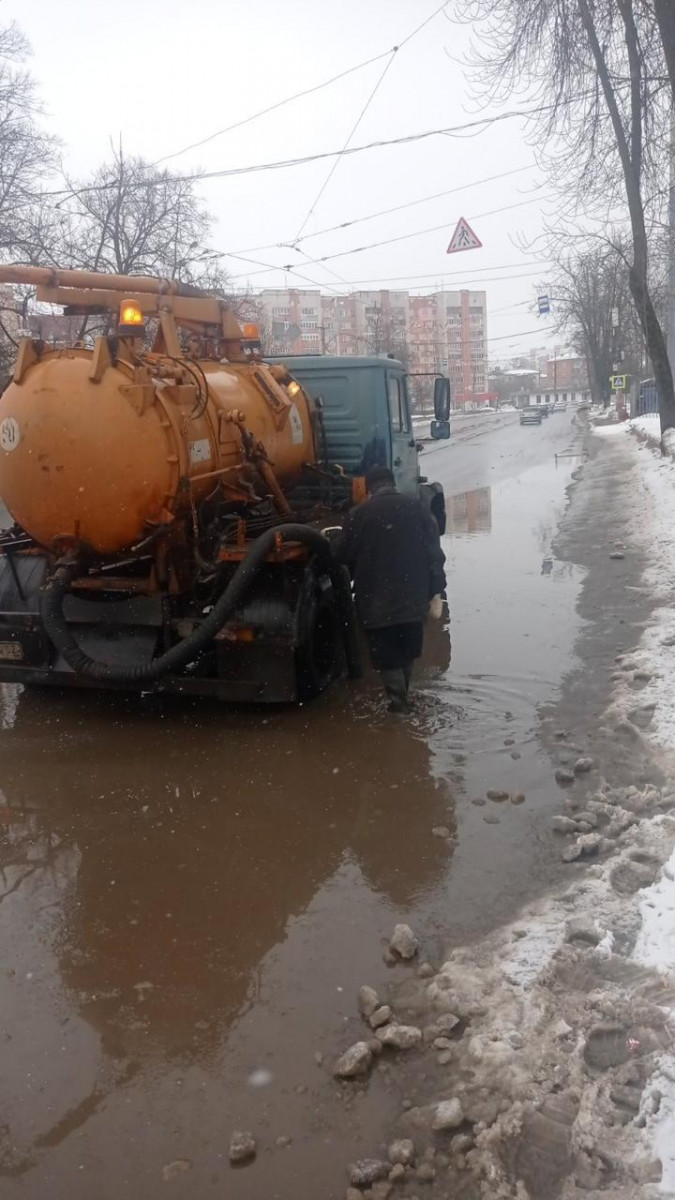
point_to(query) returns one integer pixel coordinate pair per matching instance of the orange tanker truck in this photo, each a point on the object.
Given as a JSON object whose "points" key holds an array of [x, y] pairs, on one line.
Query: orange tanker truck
{"points": [[168, 502]]}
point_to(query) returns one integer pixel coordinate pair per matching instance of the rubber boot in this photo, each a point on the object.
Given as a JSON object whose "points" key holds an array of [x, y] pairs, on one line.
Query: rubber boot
{"points": [[395, 687]]}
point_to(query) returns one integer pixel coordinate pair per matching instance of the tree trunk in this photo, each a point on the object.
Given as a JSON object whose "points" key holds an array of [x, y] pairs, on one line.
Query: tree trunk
{"points": [[665, 16], [630, 154]]}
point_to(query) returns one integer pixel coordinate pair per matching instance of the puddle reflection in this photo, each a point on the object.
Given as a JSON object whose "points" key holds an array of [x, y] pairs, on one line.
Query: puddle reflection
{"points": [[470, 512]]}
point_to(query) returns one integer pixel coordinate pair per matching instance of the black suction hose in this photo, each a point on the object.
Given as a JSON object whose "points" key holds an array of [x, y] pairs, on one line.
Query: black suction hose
{"points": [[56, 588]]}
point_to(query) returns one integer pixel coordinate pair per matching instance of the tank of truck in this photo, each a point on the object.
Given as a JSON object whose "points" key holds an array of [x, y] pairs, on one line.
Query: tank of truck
{"points": [[102, 460]]}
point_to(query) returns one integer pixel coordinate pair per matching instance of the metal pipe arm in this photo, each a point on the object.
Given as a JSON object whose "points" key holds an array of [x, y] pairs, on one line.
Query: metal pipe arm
{"points": [[48, 277]]}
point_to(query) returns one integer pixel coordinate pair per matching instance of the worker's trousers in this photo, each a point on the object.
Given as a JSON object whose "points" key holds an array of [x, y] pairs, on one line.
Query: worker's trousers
{"points": [[396, 683]]}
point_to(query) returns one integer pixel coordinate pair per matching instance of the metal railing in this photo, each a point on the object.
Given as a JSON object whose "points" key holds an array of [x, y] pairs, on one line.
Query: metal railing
{"points": [[647, 400]]}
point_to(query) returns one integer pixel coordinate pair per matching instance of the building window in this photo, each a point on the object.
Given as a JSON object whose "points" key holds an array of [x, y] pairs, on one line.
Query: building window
{"points": [[308, 312], [547, 397], [538, 399], [565, 397], [308, 324]]}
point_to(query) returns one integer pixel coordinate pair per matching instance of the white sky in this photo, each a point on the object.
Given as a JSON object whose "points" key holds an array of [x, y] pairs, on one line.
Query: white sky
{"points": [[164, 73]]}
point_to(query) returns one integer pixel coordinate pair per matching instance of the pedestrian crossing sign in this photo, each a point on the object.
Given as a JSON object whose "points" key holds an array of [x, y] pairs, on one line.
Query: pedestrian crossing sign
{"points": [[463, 238], [618, 382]]}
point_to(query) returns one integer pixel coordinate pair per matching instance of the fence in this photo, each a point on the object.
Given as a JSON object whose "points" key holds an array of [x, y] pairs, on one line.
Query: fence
{"points": [[647, 398]]}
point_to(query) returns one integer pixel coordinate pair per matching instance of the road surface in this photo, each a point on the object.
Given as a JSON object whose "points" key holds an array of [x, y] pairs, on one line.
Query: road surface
{"points": [[191, 896]]}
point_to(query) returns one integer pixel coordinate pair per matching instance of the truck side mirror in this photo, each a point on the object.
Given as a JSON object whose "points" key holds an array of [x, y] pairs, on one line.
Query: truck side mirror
{"points": [[442, 399]]}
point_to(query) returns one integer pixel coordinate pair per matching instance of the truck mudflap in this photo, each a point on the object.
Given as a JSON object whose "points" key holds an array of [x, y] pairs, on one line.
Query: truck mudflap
{"points": [[264, 655]]}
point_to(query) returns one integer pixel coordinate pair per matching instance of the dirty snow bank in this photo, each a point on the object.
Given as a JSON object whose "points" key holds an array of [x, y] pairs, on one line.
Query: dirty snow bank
{"points": [[546, 1045], [645, 690], [648, 426], [646, 686]]}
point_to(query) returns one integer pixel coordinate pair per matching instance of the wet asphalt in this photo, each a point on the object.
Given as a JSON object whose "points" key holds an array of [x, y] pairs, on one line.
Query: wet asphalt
{"points": [[191, 896]]}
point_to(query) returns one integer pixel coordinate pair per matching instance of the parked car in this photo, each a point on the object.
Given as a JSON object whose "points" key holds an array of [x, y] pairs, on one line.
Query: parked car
{"points": [[531, 416]]}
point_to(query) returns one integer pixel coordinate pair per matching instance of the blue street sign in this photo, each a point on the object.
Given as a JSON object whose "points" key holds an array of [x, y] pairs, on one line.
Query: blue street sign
{"points": [[544, 305]]}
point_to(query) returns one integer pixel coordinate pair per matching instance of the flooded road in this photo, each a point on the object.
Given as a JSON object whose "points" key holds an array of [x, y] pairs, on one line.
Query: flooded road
{"points": [[191, 896]]}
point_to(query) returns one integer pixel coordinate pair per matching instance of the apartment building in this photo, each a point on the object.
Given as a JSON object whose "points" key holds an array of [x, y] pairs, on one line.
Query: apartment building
{"points": [[292, 320], [444, 332], [448, 334]]}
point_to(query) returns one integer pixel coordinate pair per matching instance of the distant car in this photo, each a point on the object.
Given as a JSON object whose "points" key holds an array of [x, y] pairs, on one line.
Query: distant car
{"points": [[530, 416]]}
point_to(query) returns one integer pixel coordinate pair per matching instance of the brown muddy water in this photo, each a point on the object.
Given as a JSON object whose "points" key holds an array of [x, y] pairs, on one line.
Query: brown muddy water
{"points": [[191, 896]]}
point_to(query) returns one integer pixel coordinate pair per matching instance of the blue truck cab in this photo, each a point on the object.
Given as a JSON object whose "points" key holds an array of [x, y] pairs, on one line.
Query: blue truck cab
{"points": [[365, 418]]}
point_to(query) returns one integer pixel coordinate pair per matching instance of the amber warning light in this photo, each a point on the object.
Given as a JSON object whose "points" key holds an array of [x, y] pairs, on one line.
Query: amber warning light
{"points": [[131, 320], [250, 340]]}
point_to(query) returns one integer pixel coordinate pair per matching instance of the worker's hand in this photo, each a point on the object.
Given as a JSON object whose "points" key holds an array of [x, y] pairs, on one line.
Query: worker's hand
{"points": [[436, 607]]}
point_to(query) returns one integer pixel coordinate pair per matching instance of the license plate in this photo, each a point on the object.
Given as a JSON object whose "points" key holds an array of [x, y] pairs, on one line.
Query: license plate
{"points": [[11, 651]]}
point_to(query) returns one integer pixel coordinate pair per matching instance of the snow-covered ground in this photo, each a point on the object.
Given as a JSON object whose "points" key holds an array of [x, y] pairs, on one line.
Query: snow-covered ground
{"points": [[652, 525]]}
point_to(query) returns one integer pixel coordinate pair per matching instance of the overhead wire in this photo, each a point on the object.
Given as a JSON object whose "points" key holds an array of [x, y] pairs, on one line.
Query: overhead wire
{"points": [[383, 242], [352, 131], [384, 212], [362, 114], [263, 112], [445, 274], [507, 337], [456, 285], [229, 172]]}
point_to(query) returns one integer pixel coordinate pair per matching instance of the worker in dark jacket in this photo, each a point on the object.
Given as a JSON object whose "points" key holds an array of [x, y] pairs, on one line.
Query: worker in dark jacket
{"points": [[392, 547]]}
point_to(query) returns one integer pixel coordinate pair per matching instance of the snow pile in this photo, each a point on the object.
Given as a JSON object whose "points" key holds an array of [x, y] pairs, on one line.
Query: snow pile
{"points": [[655, 946], [645, 682], [550, 1039], [645, 679], [648, 426]]}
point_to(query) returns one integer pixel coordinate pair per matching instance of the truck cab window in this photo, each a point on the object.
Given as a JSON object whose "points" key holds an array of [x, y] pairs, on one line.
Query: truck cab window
{"points": [[396, 409], [405, 407]]}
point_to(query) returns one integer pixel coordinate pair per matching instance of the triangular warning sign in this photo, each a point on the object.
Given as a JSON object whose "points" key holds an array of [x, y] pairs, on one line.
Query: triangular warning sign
{"points": [[463, 238]]}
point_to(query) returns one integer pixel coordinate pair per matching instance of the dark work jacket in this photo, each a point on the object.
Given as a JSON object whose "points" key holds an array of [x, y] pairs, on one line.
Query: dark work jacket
{"points": [[392, 547]]}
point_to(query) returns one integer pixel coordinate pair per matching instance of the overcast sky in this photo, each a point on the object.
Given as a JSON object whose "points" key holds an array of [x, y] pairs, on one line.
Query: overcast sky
{"points": [[165, 73]]}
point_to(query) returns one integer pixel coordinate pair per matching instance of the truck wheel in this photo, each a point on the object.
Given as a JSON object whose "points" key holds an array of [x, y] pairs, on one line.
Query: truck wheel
{"points": [[432, 495], [319, 656], [438, 512]]}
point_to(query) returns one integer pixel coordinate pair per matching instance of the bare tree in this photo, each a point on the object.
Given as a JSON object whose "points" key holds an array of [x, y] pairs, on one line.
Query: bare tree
{"points": [[598, 68], [664, 12], [385, 335], [593, 305], [26, 152], [132, 219]]}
